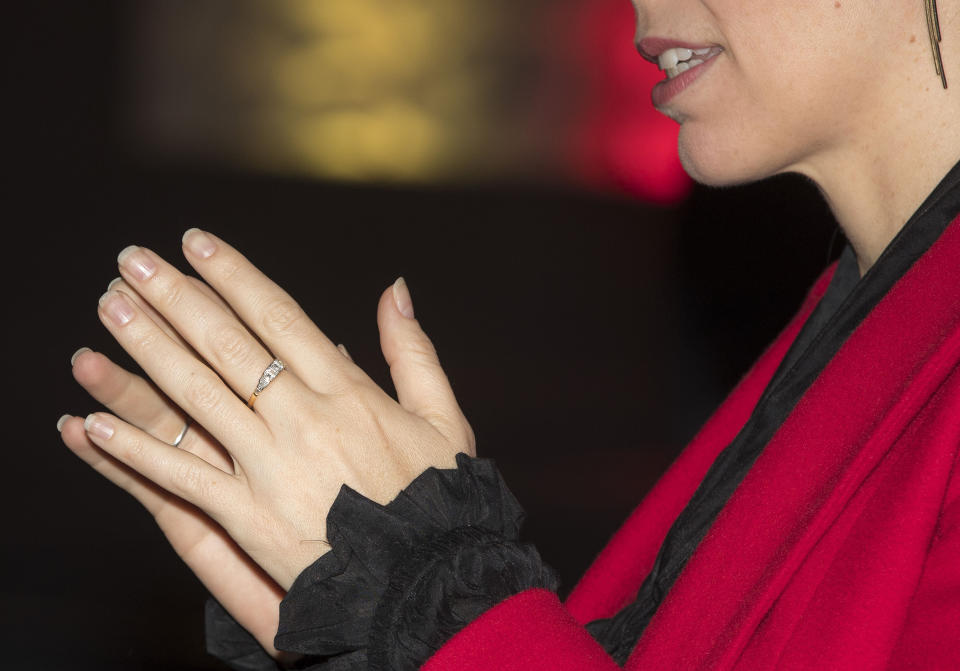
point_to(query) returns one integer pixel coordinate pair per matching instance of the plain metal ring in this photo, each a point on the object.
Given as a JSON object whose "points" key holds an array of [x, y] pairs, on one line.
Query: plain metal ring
{"points": [[183, 432]]}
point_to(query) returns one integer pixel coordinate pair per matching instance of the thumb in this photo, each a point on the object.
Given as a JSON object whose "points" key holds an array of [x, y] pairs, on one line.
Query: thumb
{"points": [[422, 386]]}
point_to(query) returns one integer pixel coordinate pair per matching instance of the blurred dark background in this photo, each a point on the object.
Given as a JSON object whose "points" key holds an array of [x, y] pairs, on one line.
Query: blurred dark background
{"points": [[590, 306]]}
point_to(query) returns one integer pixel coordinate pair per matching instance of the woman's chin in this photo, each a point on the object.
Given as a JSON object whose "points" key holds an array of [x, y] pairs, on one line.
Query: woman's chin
{"points": [[720, 163], [712, 170]]}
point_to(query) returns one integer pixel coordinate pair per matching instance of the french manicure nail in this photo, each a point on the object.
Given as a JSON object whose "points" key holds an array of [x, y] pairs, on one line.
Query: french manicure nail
{"points": [[401, 296], [98, 427], [75, 356], [60, 422], [113, 282], [199, 243], [117, 308], [137, 262]]}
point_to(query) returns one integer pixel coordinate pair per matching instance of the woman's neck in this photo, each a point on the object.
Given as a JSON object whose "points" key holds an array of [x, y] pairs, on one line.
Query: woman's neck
{"points": [[878, 174], [872, 198]]}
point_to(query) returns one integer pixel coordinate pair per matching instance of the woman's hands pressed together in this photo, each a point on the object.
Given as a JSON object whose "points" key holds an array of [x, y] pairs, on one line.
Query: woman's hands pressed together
{"points": [[266, 475]]}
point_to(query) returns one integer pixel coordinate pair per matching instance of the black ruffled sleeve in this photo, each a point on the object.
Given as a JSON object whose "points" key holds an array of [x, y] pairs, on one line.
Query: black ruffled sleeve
{"points": [[401, 579]]}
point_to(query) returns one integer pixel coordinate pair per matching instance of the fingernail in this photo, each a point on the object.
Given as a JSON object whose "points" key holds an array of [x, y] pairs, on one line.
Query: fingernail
{"points": [[137, 262], [116, 307], [98, 427], [401, 296], [113, 282], [199, 243], [343, 350], [73, 359], [60, 422]]}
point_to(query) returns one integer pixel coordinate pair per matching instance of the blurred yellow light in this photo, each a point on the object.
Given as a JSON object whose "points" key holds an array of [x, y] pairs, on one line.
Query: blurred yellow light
{"points": [[350, 89], [389, 140]]}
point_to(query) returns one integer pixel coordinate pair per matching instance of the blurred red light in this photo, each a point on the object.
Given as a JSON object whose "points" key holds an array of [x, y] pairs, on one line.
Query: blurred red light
{"points": [[623, 142]]}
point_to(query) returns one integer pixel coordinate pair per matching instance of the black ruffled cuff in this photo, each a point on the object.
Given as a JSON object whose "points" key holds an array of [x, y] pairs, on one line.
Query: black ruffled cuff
{"points": [[231, 643], [443, 585], [401, 579]]}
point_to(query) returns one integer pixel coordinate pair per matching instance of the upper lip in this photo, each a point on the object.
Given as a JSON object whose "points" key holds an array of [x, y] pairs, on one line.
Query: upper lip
{"points": [[651, 47]]}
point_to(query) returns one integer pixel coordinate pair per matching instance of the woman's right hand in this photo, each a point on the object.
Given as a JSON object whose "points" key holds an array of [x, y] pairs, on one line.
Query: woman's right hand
{"points": [[240, 585]]}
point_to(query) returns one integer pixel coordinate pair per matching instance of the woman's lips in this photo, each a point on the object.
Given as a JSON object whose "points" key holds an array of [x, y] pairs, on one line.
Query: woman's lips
{"points": [[666, 90], [651, 47]]}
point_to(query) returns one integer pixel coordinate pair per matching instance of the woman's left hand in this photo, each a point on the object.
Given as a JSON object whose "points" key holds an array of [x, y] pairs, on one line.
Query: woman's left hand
{"points": [[320, 424]]}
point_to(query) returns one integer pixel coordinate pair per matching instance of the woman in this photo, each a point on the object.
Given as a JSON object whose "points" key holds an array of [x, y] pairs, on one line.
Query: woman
{"points": [[813, 523]]}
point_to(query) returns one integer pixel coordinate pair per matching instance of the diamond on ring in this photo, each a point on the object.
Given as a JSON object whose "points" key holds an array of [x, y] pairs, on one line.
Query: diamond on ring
{"points": [[271, 372]]}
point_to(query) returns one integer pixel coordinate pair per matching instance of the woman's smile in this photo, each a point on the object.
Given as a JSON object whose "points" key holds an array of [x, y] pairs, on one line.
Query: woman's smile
{"points": [[680, 59], [683, 63]]}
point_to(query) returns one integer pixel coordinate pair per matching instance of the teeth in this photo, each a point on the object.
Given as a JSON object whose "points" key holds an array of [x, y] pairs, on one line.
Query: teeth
{"points": [[678, 60], [669, 59]]}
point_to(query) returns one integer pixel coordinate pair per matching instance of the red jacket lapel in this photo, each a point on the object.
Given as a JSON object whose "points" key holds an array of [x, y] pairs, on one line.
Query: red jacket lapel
{"points": [[839, 431], [616, 574]]}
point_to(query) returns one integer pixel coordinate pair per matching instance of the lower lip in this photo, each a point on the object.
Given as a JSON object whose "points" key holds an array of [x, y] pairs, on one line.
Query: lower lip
{"points": [[666, 90]]}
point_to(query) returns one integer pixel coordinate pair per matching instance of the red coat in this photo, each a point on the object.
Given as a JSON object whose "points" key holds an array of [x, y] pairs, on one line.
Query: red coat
{"points": [[839, 550]]}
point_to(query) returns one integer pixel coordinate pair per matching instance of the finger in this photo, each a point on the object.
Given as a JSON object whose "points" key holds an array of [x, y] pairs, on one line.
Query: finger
{"points": [[197, 441], [214, 333], [184, 475], [139, 402], [127, 395], [190, 384], [422, 386], [75, 437], [267, 309], [119, 284], [199, 544]]}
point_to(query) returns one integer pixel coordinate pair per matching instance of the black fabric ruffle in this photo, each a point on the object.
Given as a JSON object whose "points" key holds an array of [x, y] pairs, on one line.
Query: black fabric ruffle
{"points": [[444, 584], [400, 579], [231, 643]]}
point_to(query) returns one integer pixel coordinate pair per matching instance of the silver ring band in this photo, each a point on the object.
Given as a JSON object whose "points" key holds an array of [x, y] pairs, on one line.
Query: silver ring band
{"points": [[183, 432]]}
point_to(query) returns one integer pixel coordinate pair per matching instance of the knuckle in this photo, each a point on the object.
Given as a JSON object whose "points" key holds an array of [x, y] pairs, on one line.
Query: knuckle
{"points": [[188, 479], [232, 345], [117, 390], [173, 292], [136, 448], [228, 269], [202, 393], [149, 339], [420, 348], [281, 316]]}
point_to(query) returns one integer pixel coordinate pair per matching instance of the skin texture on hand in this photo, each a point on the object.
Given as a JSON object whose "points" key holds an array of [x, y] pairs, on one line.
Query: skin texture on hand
{"points": [[320, 424], [249, 594]]}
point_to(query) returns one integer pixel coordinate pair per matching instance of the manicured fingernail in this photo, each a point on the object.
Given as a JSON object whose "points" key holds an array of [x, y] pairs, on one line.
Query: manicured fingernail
{"points": [[343, 350], [73, 359], [137, 262], [60, 422], [98, 427], [199, 243], [401, 296], [117, 307], [113, 282]]}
